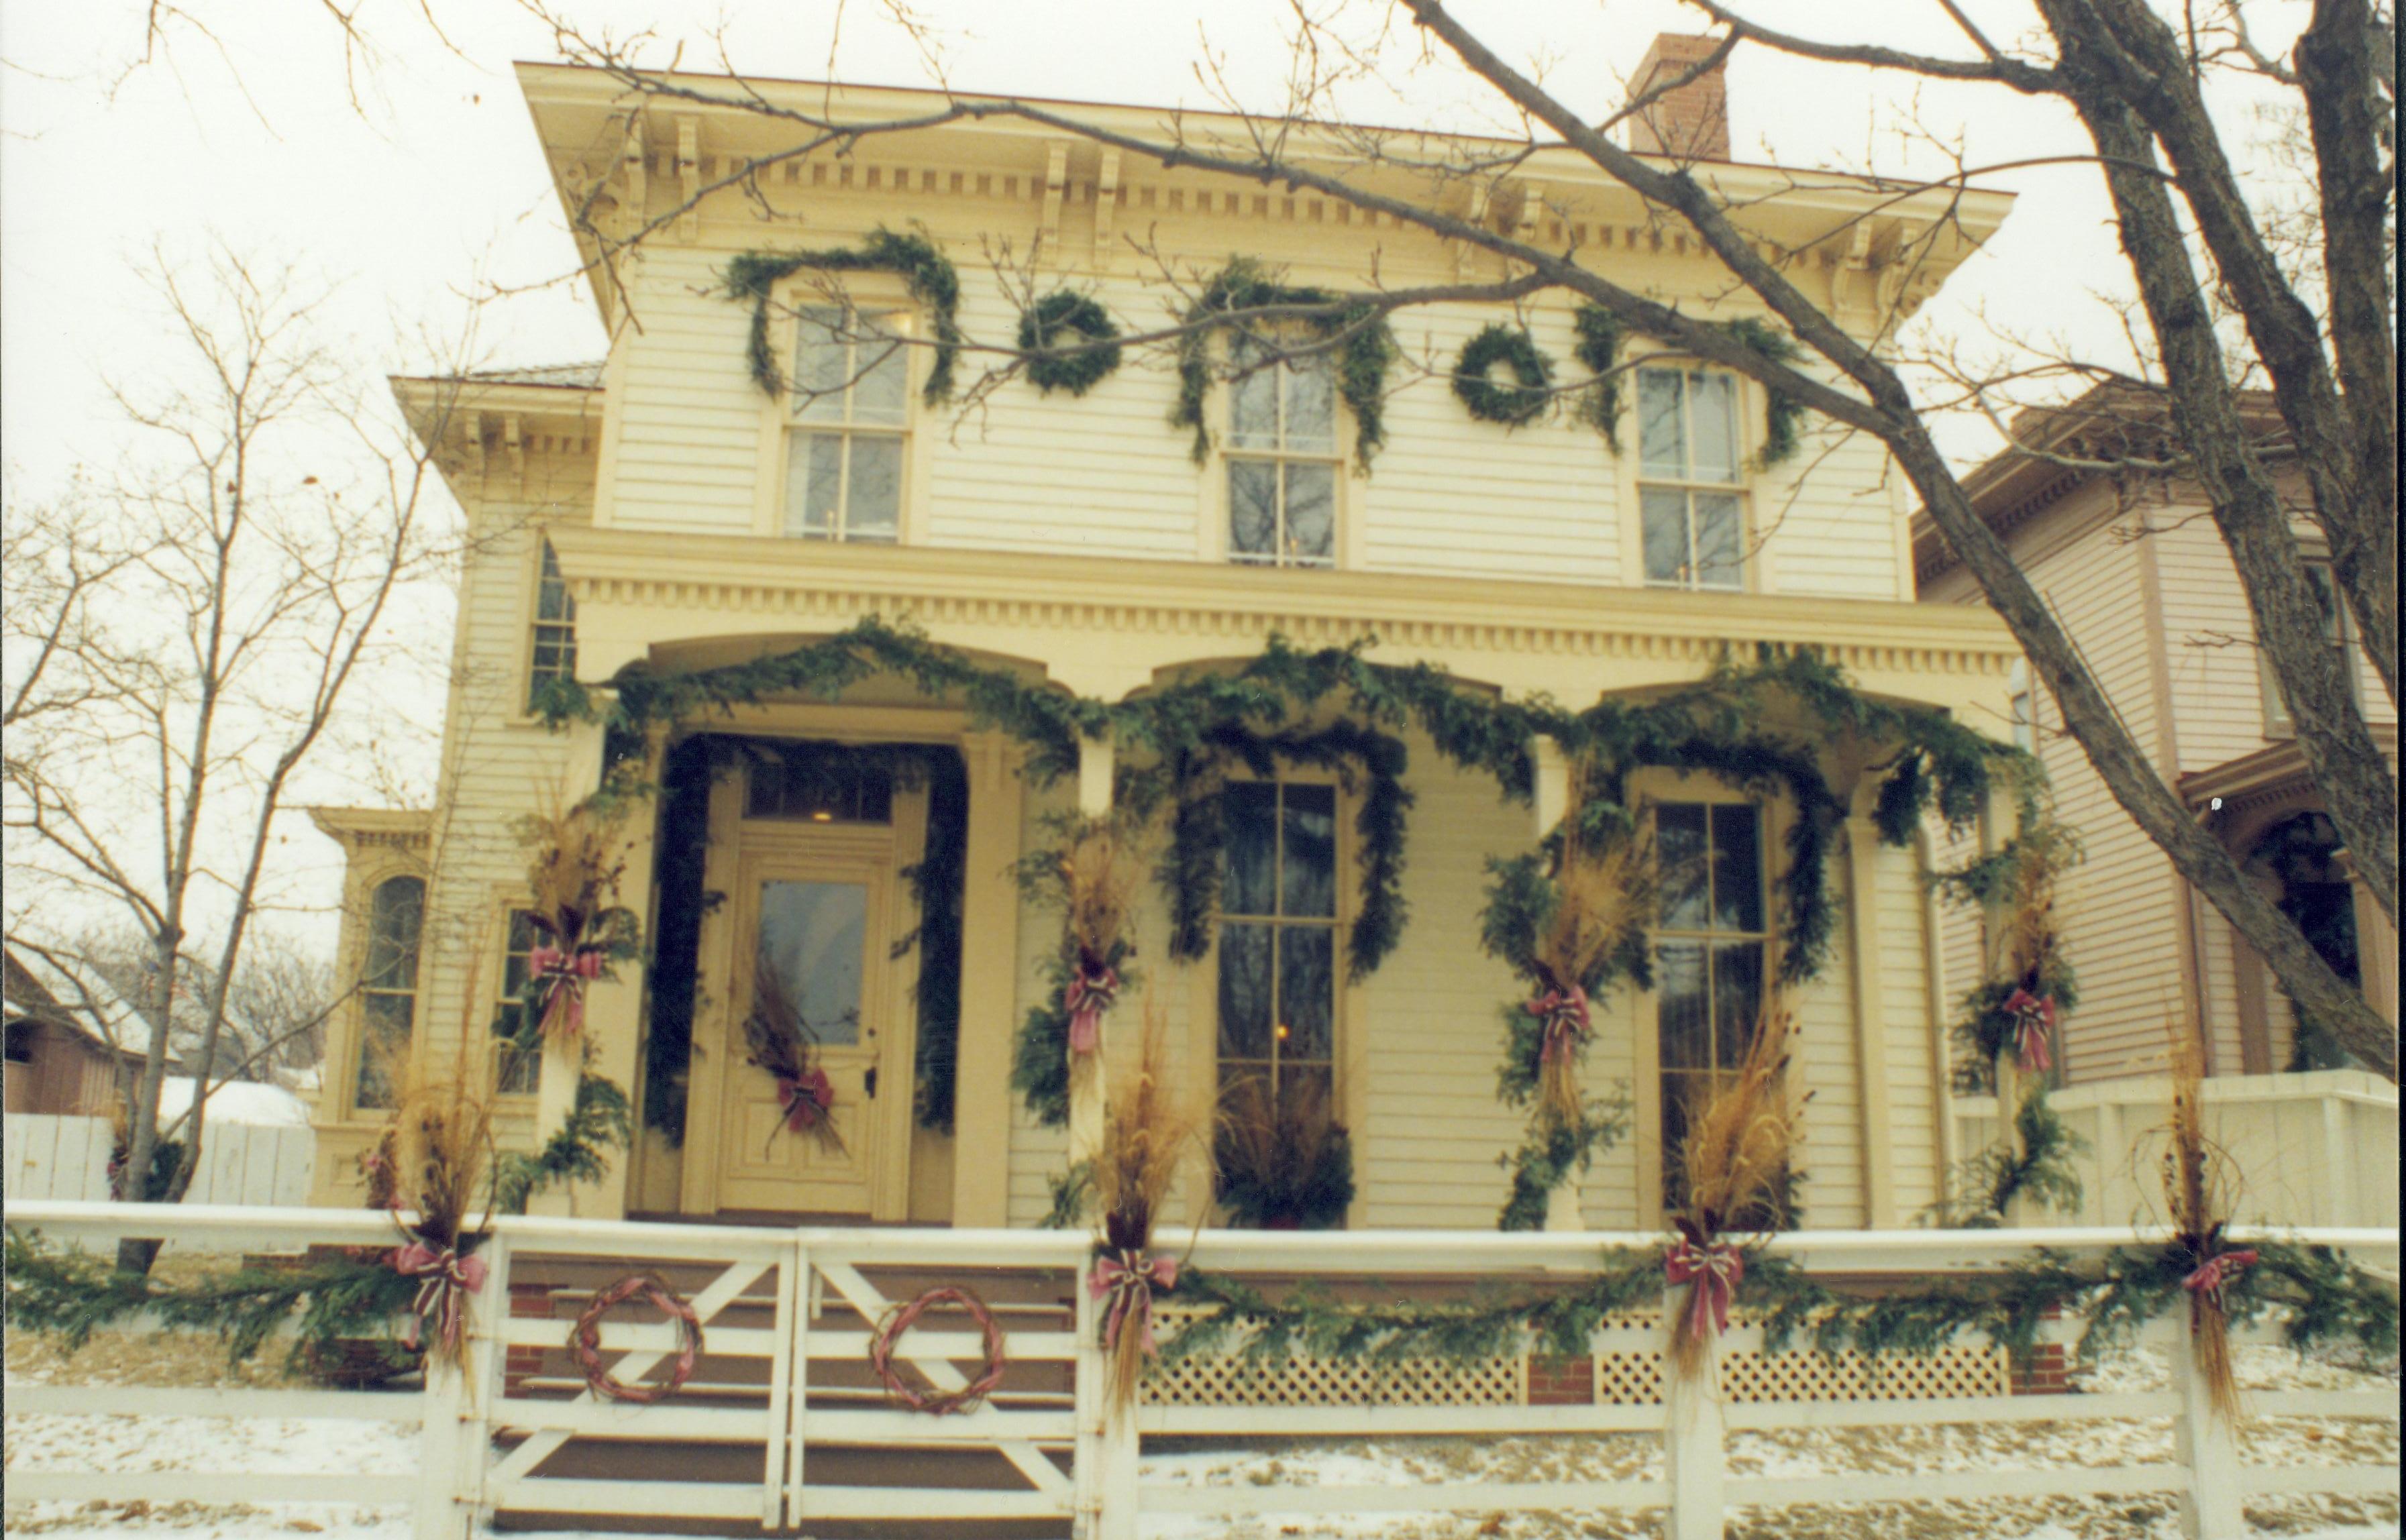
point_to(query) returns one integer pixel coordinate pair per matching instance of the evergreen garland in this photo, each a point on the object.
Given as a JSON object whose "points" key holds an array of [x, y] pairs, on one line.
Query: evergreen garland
{"points": [[1084, 317], [924, 270], [1552, 1150], [1366, 348], [598, 1121], [1510, 404], [1601, 334]]}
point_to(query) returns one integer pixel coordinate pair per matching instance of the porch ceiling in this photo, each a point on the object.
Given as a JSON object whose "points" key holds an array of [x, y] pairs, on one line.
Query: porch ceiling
{"points": [[1105, 626]]}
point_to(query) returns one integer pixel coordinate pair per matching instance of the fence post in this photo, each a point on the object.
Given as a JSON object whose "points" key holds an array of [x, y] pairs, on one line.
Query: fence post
{"points": [[1692, 1439], [437, 1516], [2206, 1448]]}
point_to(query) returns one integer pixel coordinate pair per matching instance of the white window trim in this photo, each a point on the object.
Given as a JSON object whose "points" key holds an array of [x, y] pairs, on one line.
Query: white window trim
{"points": [[1754, 574], [878, 292], [1215, 509], [363, 882]]}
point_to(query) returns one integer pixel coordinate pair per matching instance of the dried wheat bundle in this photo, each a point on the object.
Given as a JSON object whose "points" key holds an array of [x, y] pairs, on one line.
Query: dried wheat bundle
{"points": [[577, 857], [1145, 1134], [1736, 1162], [1606, 888], [782, 1043], [440, 1144], [1097, 887], [2197, 1178]]}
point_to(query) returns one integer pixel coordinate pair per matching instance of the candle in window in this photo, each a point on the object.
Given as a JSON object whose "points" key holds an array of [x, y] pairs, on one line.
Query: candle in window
{"points": [[1281, 1031]]}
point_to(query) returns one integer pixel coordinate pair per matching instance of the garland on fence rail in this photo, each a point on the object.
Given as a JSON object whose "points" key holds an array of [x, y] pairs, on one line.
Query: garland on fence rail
{"points": [[754, 275], [1365, 344], [1097, 351], [1510, 404]]}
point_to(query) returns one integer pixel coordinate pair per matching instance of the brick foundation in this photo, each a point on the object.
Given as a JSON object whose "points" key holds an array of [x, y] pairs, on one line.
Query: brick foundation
{"points": [[527, 1301], [1561, 1382]]}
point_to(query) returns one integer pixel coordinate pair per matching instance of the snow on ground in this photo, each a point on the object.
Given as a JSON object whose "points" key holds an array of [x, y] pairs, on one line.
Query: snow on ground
{"points": [[121, 1443]]}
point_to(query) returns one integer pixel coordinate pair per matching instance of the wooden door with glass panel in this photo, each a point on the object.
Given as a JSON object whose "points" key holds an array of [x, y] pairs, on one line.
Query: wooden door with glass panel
{"points": [[813, 924]]}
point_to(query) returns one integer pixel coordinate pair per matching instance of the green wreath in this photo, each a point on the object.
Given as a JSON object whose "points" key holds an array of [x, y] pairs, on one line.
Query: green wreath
{"points": [[751, 276], [1510, 404], [1078, 371]]}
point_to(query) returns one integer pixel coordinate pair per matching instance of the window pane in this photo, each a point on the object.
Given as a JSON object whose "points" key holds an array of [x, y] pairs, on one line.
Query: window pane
{"points": [[1737, 999], [1666, 534], [1253, 399], [1244, 992], [385, 1047], [879, 391], [1312, 405], [1738, 867], [1681, 1005], [1250, 808], [874, 508], [814, 480], [1662, 449], [552, 601], [1305, 1085], [395, 915], [812, 939], [517, 1068], [1712, 414], [1310, 868], [1307, 959], [1679, 849], [2318, 577], [820, 364], [1311, 512], [1720, 540], [1683, 1099], [1252, 509], [517, 949]]}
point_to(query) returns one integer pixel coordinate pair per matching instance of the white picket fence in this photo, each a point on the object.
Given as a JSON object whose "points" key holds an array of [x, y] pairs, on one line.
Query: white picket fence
{"points": [[788, 1390], [264, 1165], [2311, 1149]]}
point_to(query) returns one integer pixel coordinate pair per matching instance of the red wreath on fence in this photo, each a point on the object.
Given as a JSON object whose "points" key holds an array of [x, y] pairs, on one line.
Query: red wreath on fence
{"points": [[895, 1322], [585, 1339]]}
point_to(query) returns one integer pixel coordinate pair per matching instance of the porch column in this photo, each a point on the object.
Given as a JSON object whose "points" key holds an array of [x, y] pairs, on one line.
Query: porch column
{"points": [[563, 1057], [1552, 789], [614, 1008], [2376, 944], [989, 983], [1096, 759], [1871, 1014]]}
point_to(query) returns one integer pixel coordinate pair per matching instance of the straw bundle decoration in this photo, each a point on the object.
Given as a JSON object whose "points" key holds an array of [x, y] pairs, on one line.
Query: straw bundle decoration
{"points": [[577, 858], [1736, 1161], [780, 1042], [2034, 967], [1096, 888], [1283, 1160], [1606, 885], [441, 1154], [2198, 1177], [1145, 1134]]}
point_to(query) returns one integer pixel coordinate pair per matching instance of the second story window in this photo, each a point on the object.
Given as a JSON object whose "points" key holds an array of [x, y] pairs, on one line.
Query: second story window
{"points": [[554, 656], [1689, 467], [389, 989], [2339, 631], [1283, 460], [851, 411]]}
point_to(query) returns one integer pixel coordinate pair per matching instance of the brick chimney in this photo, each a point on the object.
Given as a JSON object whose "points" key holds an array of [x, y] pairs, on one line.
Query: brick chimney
{"points": [[1691, 122]]}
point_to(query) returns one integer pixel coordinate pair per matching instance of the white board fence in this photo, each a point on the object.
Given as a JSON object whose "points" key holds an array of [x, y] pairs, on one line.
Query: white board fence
{"points": [[260, 1166], [2311, 1149]]}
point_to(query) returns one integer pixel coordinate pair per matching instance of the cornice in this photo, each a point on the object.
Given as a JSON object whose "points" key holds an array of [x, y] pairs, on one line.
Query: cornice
{"points": [[825, 587]]}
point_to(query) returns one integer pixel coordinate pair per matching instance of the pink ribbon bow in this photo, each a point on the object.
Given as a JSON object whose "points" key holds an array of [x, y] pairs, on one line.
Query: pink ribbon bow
{"points": [[2206, 1282], [446, 1280], [563, 976], [1090, 993], [1715, 1271], [2034, 1020], [1564, 1018], [1127, 1282], [806, 1100]]}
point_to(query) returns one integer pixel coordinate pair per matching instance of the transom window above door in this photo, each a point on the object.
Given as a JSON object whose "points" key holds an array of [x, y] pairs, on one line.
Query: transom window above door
{"points": [[1278, 936], [1689, 478], [851, 409], [1283, 459]]}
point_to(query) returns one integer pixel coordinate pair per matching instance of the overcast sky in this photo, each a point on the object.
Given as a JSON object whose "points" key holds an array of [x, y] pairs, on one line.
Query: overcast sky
{"points": [[434, 185]]}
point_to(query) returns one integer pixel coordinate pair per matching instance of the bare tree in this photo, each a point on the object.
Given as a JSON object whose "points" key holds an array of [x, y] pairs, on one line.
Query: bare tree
{"points": [[2130, 76], [154, 750]]}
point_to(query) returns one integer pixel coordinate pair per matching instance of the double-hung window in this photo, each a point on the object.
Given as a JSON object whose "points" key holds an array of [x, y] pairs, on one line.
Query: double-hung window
{"points": [[1278, 940], [846, 445], [1690, 490], [554, 656], [1710, 947], [517, 1061], [1283, 460], [2025, 708], [389, 988], [2339, 631]]}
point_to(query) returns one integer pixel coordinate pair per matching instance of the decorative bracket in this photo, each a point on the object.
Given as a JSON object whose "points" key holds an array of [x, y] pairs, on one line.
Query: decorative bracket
{"points": [[514, 448], [631, 163], [689, 176], [1106, 203], [1056, 176]]}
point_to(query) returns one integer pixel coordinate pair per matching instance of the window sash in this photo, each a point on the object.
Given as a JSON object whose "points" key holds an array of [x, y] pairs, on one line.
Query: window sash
{"points": [[517, 1071], [1692, 539], [1281, 511], [850, 368], [824, 476], [552, 644], [1278, 923]]}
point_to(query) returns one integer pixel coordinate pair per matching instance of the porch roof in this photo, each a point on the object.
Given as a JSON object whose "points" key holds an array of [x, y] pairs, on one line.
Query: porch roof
{"points": [[1106, 627]]}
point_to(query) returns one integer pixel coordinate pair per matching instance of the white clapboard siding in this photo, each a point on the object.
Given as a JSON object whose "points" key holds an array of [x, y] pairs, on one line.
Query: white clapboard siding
{"points": [[66, 1158], [2315, 1149], [53, 1156]]}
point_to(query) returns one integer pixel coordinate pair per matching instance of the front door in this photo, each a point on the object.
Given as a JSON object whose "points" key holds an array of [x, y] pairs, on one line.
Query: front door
{"points": [[802, 946]]}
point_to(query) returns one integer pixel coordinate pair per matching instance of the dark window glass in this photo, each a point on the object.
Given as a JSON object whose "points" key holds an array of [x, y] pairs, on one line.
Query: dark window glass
{"points": [[388, 987], [1738, 868], [1686, 879], [1278, 965], [819, 784], [1251, 811], [1308, 829], [1709, 958], [1245, 969], [555, 629], [517, 1063]]}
